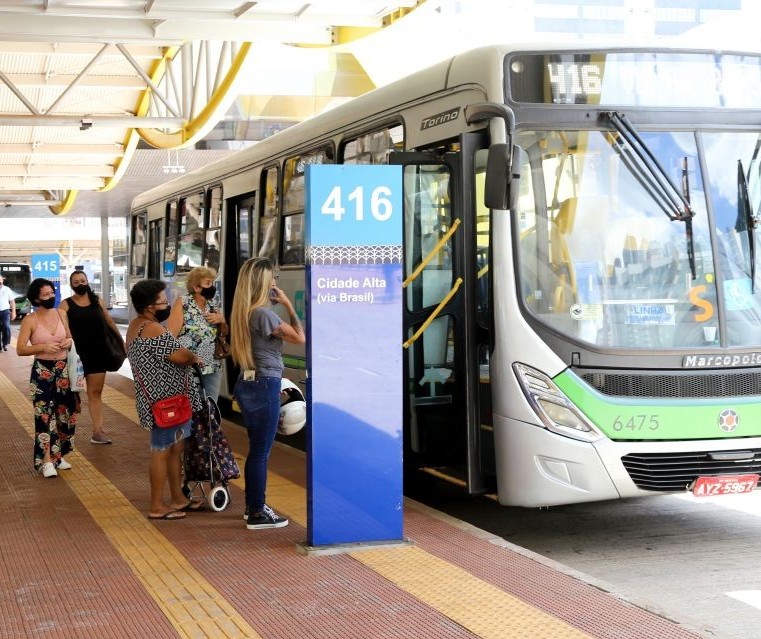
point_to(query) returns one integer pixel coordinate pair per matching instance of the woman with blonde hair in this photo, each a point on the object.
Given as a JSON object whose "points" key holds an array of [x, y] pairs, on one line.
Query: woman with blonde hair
{"points": [[195, 320], [257, 336]]}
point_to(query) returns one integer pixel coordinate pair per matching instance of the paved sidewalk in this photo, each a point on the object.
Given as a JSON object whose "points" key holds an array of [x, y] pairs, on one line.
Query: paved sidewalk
{"points": [[80, 558]]}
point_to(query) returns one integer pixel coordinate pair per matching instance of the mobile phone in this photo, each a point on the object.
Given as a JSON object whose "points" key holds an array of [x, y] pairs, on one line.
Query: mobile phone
{"points": [[273, 296]]}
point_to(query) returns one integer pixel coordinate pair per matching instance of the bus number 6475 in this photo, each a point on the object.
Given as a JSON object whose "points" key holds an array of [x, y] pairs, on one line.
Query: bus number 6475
{"points": [[636, 422]]}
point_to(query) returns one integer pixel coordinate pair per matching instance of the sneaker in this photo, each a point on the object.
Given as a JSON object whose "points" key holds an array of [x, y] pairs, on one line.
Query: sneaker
{"points": [[265, 519], [245, 514], [63, 464], [100, 438], [48, 470]]}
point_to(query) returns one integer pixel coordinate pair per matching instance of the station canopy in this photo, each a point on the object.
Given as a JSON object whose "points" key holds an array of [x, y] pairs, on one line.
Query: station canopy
{"points": [[89, 88]]}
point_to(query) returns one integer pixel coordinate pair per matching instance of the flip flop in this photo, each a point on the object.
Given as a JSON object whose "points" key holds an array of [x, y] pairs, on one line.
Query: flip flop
{"points": [[172, 514], [193, 506]]}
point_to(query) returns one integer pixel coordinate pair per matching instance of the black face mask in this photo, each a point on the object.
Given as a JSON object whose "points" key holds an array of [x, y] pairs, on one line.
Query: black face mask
{"points": [[208, 292], [81, 289], [48, 303], [162, 314]]}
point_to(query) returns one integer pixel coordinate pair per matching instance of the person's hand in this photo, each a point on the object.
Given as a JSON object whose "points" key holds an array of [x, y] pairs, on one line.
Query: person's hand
{"points": [[66, 343], [51, 348], [277, 295], [214, 318]]}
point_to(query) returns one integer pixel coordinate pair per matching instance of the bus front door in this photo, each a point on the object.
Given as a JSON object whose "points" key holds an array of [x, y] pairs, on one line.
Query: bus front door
{"points": [[441, 371]]}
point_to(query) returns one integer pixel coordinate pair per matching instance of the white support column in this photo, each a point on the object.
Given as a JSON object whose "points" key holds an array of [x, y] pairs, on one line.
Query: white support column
{"points": [[105, 262]]}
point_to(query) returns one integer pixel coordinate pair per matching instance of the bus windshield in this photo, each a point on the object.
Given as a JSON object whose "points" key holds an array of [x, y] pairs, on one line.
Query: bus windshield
{"points": [[600, 262]]}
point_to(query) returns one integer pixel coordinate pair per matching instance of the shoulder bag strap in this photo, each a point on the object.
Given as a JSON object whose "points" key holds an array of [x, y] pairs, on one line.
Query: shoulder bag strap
{"points": [[139, 379]]}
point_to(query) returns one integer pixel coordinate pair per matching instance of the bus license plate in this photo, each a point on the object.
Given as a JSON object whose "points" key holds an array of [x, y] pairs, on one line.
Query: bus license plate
{"points": [[724, 485]]}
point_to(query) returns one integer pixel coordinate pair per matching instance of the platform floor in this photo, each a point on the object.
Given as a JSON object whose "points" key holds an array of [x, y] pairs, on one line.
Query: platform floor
{"points": [[80, 559]]}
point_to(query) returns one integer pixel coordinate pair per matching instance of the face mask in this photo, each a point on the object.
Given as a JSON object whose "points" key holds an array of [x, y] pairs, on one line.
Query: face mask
{"points": [[48, 303], [81, 289], [208, 292], [162, 314]]}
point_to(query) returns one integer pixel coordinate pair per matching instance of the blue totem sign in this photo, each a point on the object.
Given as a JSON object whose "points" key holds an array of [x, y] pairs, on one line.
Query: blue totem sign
{"points": [[354, 354], [48, 266]]}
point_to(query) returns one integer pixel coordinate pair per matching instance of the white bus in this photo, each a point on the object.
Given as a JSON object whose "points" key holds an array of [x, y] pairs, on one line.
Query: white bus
{"points": [[589, 216]]}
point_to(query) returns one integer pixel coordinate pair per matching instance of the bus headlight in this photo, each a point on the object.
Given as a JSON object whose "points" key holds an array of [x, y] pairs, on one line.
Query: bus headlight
{"points": [[553, 408]]}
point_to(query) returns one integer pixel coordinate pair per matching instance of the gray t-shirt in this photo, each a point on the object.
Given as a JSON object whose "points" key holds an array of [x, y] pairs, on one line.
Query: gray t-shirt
{"points": [[266, 348]]}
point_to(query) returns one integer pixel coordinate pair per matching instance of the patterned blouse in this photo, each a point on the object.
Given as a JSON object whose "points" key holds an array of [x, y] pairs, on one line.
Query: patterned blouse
{"points": [[197, 334], [156, 377]]}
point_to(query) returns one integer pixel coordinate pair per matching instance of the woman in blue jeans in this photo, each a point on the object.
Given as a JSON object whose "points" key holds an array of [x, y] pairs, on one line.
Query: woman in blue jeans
{"points": [[257, 336]]}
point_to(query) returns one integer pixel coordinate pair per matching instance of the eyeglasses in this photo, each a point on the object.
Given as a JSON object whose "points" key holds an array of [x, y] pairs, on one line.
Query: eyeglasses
{"points": [[160, 304]]}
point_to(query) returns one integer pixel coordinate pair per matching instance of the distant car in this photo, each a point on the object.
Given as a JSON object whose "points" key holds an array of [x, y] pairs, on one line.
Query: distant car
{"points": [[23, 305]]}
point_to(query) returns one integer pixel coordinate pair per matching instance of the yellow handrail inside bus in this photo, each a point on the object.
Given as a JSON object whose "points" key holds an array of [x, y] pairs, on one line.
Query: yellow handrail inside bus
{"points": [[434, 314], [411, 277]]}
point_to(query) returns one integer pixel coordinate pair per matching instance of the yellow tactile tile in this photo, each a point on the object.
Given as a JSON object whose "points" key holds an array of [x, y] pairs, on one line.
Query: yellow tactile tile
{"points": [[483, 609], [476, 605], [193, 606]]}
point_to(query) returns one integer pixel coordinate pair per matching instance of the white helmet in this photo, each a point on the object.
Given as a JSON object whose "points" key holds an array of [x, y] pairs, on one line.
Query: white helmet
{"points": [[293, 408]]}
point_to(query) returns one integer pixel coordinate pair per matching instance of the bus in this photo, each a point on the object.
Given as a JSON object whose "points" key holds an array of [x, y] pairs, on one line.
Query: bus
{"points": [[17, 276], [581, 223]]}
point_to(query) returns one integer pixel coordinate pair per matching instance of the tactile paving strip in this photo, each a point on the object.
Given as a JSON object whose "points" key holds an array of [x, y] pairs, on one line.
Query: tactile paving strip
{"points": [[191, 604], [476, 605]]}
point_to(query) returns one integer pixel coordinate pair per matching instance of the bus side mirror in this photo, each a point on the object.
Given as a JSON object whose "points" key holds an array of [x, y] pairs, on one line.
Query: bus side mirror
{"points": [[502, 176]]}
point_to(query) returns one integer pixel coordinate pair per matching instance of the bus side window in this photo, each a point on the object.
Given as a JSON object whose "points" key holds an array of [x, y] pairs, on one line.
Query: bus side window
{"points": [[294, 183], [293, 240], [267, 237], [190, 242], [170, 249], [213, 229], [373, 148], [137, 260]]}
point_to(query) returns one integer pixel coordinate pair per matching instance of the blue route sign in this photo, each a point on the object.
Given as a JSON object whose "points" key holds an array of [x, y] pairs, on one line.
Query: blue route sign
{"points": [[48, 266], [354, 354]]}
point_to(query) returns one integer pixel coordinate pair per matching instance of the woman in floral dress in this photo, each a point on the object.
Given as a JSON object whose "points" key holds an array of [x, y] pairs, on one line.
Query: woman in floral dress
{"points": [[195, 320], [45, 334]]}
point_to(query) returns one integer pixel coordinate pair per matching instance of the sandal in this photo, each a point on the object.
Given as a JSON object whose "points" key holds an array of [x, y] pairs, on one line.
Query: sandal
{"points": [[193, 506], [172, 514]]}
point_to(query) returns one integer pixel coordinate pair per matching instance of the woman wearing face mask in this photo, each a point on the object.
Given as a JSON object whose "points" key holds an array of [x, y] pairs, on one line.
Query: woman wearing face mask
{"points": [[195, 320], [45, 334], [161, 368], [88, 319]]}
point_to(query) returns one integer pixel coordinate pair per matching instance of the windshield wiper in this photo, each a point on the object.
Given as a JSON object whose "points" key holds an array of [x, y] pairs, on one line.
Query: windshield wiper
{"points": [[649, 172], [746, 221]]}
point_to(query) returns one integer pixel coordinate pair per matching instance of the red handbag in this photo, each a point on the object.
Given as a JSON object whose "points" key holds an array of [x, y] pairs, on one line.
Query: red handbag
{"points": [[172, 411]]}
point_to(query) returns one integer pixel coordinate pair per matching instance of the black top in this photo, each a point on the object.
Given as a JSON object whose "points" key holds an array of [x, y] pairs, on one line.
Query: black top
{"points": [[87, 326]]}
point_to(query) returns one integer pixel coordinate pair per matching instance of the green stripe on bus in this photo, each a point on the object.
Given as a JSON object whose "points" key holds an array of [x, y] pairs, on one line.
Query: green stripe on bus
{"points": [[291, 361], [622, 418]]}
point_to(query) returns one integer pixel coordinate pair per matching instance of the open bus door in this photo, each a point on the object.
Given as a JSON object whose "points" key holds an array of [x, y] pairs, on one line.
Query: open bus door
{"points": [[239, 238], [442, 417]]}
